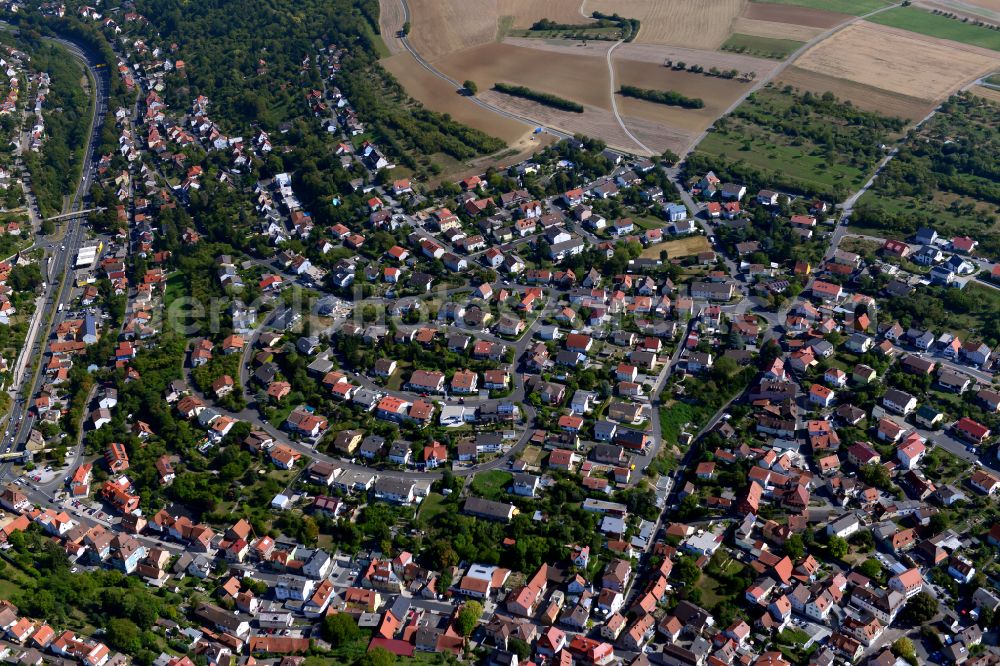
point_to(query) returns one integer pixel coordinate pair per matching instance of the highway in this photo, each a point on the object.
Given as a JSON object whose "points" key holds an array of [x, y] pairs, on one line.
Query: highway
{"points": [[62, 251]]}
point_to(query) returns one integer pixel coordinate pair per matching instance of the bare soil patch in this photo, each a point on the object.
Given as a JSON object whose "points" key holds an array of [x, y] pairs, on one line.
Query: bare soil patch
{"points": [[437, 95], [816, 18], [694, 23], [869, 98], [773, 29], [898, 61], [579, 78]]}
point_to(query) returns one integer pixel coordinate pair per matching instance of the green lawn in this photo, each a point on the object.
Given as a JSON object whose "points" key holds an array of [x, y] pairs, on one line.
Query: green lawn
{"points": [[935, 25], [766, 47], [176, 287], [431, 507], [855, 7], [491, 484]]}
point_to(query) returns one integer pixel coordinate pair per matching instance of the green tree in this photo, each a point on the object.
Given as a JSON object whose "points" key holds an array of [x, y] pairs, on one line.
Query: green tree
{"points": [[871, 568], [794, 547], [468, 617], [377, 657], [687, 571], [903, 647], [124, 635], [921, 608], [838, 547], [339, 629], [471, 86]]}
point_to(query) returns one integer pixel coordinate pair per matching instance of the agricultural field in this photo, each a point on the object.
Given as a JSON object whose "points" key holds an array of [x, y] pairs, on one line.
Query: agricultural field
{"points": [[974, 9], [924, 22], [526, 12], [855, 7], [787, 13], [437, 94], [691, 23], [581, 79], [717, 94], [991, 94], [765, 47], [775, 30], [440, 27], [656, 54], [390, 22], [895, 61], [866, 97], [945, 177], [813, 145]]}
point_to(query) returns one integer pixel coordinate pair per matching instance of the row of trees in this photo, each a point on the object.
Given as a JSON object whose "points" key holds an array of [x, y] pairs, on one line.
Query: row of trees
{"points": [[668, 97], [544, 98]]}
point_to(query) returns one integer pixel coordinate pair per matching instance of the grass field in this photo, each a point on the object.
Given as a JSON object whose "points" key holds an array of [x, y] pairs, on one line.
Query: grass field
{"points": [[675, 249], [808, 166], [766, 47], [491, 484], [855, 7], [923, 22], [431, 506]]}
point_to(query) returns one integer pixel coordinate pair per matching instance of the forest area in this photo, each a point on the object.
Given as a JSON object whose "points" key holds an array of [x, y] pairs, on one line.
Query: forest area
{"points": [[67, 112]]}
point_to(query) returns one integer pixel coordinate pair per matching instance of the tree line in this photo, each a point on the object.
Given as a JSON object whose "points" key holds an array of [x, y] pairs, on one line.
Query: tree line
{"points": [[546, 99], [668, 97]]}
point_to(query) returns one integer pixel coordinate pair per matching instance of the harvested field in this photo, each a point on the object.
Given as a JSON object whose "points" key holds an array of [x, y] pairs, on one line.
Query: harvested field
{"points": [[805, 16], [693, 23], [437, 95], [717, 94], [991, 94], [575, 77], [775, 30], [654, 53], [865, 97], [440, 27], [390, 22], [853, 7], [682, 247], [527, 12], [897, 61]]}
